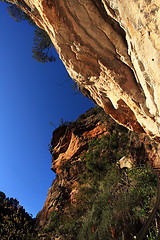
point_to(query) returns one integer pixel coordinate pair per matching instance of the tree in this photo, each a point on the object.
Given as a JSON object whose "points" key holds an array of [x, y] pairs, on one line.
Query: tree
{"points": [[2, 196], [16, 13], [42, 49], [15, 222], [42, 46]]}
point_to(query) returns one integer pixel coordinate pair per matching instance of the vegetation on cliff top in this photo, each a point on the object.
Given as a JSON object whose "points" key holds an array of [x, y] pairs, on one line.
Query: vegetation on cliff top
{"points": [[110, 203]]}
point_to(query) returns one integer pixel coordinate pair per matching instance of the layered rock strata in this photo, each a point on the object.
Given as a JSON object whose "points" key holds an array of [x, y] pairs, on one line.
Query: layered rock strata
{"points": [[111, 49], [67, 146]]}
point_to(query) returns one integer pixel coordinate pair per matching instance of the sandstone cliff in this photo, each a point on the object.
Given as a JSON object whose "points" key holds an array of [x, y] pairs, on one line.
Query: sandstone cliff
{"points": [[67, 146], [111, 49], [70, 142]]}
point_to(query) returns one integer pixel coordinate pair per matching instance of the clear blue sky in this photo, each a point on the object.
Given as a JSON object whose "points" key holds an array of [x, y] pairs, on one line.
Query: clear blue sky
{"points": [[31, 95]]}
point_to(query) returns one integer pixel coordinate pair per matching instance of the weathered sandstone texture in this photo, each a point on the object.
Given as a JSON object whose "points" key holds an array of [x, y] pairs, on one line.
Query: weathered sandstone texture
{"points": [[67, 146], [111, 49], [68, 143]]}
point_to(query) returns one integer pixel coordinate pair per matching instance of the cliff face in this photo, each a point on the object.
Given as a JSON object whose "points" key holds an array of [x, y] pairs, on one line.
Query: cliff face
{"points": [[111, 49], [67, 147]]}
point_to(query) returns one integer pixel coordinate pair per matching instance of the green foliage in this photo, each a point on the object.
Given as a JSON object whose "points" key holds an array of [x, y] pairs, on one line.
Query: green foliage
{"points": [[2, 197], [54, 222], [15, 222], [153, 232], [114, 197], [62, 225], [144, 191], [42, 46], [111, 203], [114, 206], [16, 13], [118, 204], [106, 151]]}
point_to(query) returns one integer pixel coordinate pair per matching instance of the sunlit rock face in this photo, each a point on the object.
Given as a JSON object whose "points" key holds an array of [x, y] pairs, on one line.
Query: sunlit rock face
{"points": [[69, 143], [67, 146], [111, 49]]}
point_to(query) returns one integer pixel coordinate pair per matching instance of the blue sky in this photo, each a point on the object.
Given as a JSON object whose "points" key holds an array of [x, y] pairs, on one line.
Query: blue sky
{"points": [[31, 95]]}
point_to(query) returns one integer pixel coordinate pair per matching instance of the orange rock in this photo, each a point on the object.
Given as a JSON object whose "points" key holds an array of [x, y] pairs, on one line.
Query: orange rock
{"points": [[111, 49], [68, 145]]}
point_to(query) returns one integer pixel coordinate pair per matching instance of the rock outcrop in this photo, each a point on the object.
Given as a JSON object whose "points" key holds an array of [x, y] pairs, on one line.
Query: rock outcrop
{"points": [[67, 147], [111, 48]]}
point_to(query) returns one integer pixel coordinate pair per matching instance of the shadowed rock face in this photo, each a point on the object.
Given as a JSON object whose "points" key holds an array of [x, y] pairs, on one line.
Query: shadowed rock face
{"points": [[111, 49]]}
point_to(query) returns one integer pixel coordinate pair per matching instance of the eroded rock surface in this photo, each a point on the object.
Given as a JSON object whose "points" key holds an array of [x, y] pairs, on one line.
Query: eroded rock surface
{"points": [[67, 147], [111, 49]]}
